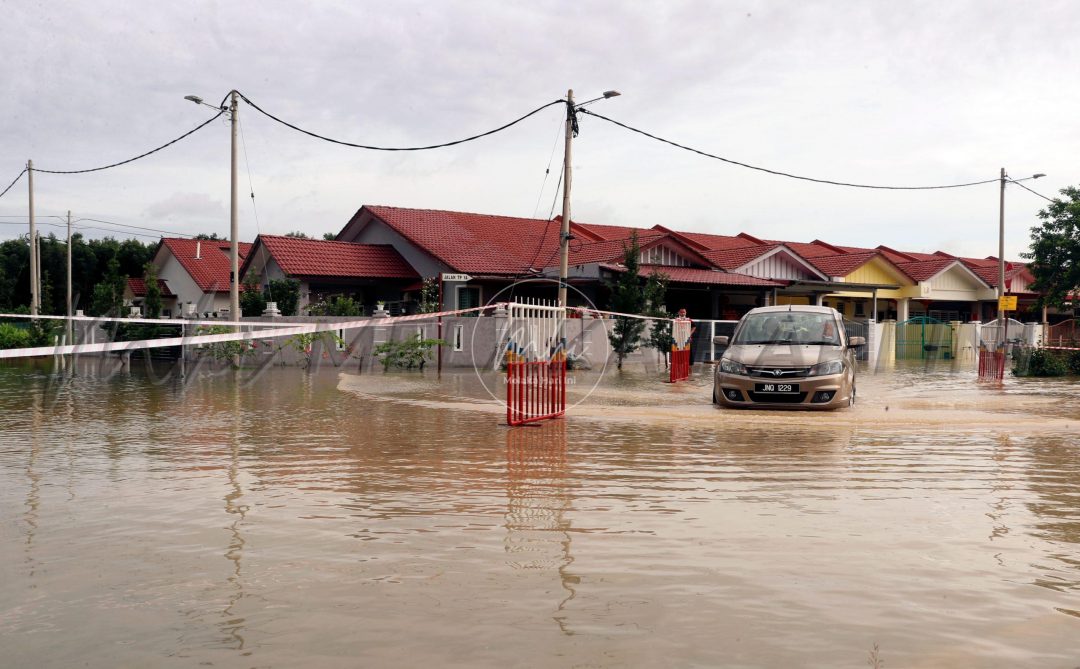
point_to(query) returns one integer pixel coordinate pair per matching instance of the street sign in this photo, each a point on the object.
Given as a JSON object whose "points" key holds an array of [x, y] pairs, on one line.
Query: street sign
{"points": [[1007, 303], [446, 276]]}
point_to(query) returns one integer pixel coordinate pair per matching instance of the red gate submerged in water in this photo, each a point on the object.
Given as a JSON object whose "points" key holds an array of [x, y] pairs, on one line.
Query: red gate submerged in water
{"points": [[535, 363], [680, 349]]}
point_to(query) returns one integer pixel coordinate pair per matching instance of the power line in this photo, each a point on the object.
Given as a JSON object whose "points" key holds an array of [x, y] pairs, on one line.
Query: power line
{"points": [[97, 220], [141, 155], [398, 148], [777, 172], [10, 185], [1031, 191]]}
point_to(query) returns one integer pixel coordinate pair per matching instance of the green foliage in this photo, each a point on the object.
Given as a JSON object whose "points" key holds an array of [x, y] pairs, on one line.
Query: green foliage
{"points": [[628, 296], [411, 353], [252, 299], [286, 292], [152, 302], [89, 261], [660, 331], [224, 351], [338, 305], [13, 336], [329, 236], [1041, 362], [1055, 248], [109, 292], [304, 343], [429, 295], [1072, 360], [297, 234]]}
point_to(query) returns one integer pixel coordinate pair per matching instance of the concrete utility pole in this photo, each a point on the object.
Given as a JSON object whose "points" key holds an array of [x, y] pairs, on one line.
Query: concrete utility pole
{"points": [[34, 297], [234, 254], [70, 338], [1001, 250], [564, 234]]}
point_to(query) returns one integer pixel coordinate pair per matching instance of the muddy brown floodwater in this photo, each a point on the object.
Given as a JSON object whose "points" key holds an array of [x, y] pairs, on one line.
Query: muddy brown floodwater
{"points": [[326, 520]]}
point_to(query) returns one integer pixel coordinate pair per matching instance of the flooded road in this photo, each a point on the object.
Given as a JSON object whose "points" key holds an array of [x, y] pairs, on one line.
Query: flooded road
{"points": [[330, 520]]}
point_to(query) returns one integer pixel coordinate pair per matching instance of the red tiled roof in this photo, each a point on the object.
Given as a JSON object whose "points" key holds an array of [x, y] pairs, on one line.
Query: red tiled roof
{"points": [[137, 286], [705, 276], [317, 257], [730, 259], [211, 270], [475, 243], [615, 232], [921, 270], [987, 270], [710, 242], [842, 264], [808, 250]]}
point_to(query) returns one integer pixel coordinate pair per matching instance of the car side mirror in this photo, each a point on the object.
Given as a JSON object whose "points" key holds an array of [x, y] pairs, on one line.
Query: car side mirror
{"points": [[856, 341], [720, 340]]}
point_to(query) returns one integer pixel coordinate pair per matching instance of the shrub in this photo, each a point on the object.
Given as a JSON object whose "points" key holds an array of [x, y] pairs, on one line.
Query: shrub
{"points": [[411, 353], [13, 336], [1038, 362]]}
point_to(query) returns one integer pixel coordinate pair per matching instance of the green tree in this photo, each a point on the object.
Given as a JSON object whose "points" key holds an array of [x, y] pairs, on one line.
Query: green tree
{"points": [[429, 295], [1055, 248], [628, 297], [152, 303], [297, 234], [286, 292], [329, 236], [109, 292], [338, 305], [660, 330], [252, 300]]}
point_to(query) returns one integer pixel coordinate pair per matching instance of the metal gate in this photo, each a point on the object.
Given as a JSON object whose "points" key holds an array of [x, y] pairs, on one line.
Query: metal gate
{"points": [[858, 329], [535, 362], [924, 338]]}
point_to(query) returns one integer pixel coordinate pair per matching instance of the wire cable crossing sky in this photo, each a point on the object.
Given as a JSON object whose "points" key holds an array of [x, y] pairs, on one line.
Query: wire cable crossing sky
{"points": [[777, 172]]}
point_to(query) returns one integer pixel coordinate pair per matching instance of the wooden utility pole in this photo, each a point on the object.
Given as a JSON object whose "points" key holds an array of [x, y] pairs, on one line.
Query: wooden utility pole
{"points": [[564, 235]]}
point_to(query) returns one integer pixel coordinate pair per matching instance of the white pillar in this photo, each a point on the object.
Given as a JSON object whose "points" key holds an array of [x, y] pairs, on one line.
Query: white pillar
{"points": [[902, 308]]}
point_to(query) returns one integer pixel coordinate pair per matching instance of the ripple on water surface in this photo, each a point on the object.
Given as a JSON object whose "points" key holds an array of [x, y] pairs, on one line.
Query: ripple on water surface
{"points": [[317, 519]]}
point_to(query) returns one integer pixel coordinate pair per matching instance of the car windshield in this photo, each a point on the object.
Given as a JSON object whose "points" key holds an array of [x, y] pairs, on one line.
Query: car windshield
{"points": [[788, 327]]}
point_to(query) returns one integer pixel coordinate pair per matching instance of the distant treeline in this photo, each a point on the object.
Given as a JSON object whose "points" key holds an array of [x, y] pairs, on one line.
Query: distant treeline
{"points": [[89, 266]]}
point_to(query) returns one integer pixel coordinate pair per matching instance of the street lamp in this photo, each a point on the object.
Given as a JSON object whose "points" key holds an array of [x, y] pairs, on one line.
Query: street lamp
{"points": [[564, 234], [1001, 248], [234, 250]]}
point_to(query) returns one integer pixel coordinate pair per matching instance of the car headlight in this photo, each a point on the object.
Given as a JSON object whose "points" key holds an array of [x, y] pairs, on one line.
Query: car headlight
{"points": [[732, 367], [827, 368]]}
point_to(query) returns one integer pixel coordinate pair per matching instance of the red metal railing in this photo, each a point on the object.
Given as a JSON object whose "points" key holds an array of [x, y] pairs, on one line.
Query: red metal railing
{"points": [[535, 390], [680, 363], [991, 365]]}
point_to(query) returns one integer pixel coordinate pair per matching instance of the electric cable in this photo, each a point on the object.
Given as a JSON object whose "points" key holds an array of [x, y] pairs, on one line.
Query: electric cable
{"points": [[15, 181], [398, 148], [254, 209], [141, 155], [1031, 191], [777, 172]]}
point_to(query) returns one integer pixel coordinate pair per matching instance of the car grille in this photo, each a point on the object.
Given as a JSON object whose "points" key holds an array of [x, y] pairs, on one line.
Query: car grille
{"points": [[774, 398], [772, 372]]}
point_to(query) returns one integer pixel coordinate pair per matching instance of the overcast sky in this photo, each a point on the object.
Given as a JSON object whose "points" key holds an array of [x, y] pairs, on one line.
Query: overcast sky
{"points": [[889, 93]]}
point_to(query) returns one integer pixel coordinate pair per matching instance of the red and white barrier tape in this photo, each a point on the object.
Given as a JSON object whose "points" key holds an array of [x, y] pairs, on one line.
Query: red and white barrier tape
{"points": [[282, 330]]}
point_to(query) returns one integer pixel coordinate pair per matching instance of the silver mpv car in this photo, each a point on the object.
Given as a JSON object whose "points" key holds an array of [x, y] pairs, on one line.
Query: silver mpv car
{"points": [[787, 357]]}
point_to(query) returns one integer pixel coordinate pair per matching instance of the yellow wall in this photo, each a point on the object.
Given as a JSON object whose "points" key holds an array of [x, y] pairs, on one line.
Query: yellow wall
{"points": [[877, 271]]}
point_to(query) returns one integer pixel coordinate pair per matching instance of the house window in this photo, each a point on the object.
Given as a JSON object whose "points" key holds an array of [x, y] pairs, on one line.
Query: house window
{"points": [[459, 337], [468, 297], [860, 308]]}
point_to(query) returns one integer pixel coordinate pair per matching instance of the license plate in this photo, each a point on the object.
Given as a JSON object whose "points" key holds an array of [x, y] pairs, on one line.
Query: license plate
{"points": [[777, 388]]}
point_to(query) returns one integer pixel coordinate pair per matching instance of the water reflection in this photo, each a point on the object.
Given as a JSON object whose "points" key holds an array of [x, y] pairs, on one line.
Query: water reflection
{"points": [[538, 500], [233, 624]]}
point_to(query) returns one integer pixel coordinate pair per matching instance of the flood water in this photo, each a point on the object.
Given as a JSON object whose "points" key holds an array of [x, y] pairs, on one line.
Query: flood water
{"points": [[336, 520]]}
